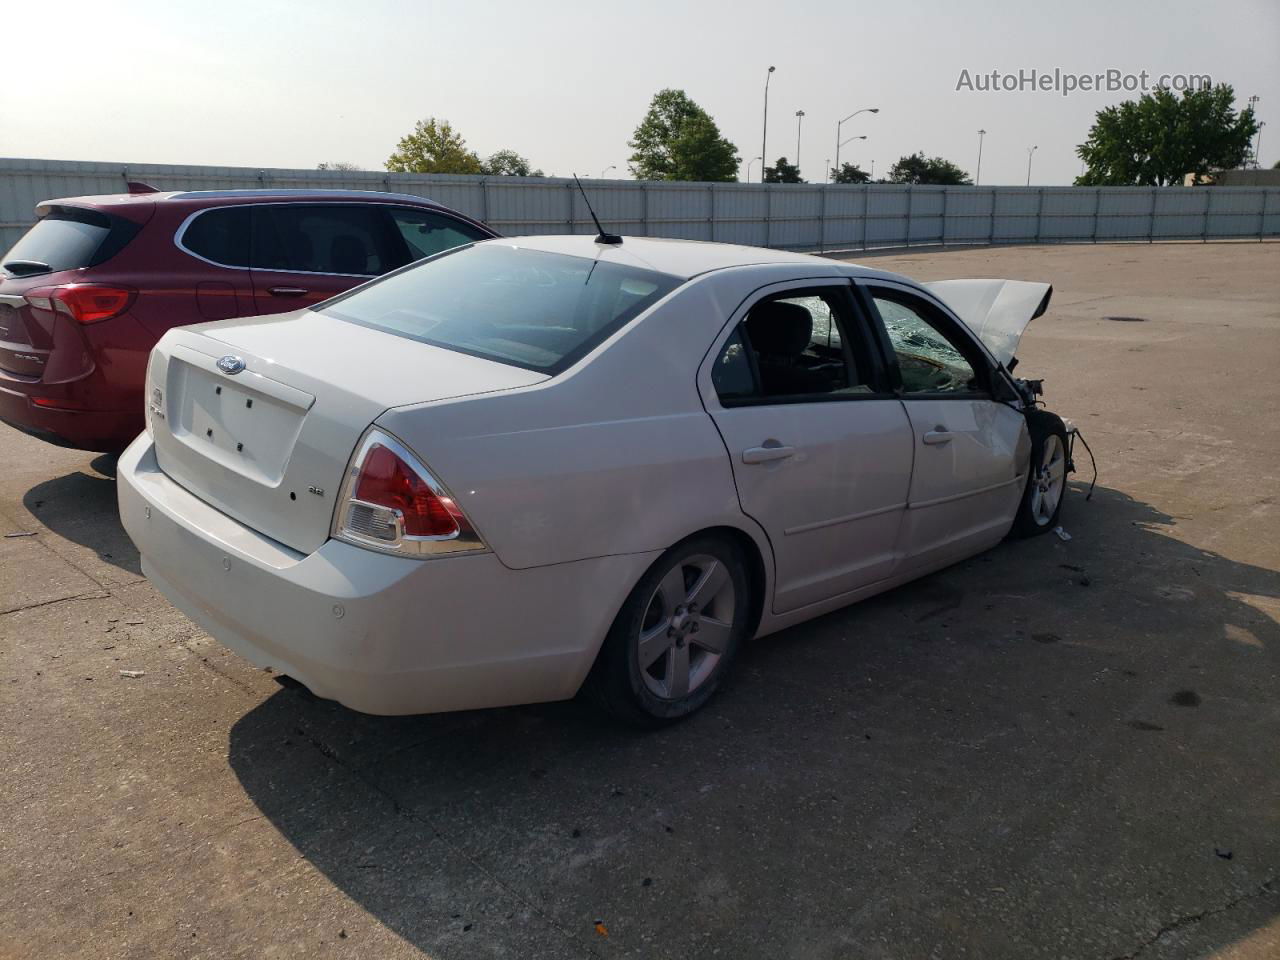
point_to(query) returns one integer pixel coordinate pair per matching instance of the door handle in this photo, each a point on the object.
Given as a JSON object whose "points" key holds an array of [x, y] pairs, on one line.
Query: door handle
{"points": [[937, 436], [287, 292], [766, 453]]}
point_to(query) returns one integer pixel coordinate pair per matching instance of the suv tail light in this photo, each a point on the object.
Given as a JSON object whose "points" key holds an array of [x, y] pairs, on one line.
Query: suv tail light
{"points": [[83, 302], [391, 502]]}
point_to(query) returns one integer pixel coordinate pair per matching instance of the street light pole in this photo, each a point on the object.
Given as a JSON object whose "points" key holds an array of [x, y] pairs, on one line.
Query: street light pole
{"points": [[1253, 105], [845, 120], [1030, 151], [1257, 144], [977, 177], [612, 166], [764, 135], [850, 140], [749, 163], [799, 120]]}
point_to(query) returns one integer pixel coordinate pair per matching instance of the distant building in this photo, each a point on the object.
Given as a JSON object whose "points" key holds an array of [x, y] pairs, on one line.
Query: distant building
{"points": [[1237, 178]]}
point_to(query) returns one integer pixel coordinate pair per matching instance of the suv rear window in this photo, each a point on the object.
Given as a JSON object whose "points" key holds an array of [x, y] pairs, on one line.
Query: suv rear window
{"points": [[528, 308], [68, 238]]}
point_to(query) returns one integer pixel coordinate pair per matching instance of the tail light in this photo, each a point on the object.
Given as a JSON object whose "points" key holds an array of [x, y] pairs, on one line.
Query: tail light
{"points": [[83, 302], [391, 502]]}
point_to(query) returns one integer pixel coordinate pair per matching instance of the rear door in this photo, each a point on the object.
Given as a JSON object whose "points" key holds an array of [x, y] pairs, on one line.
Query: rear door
{"points": [[821, 450], [971, 451], [304, 253], [218, 239]]}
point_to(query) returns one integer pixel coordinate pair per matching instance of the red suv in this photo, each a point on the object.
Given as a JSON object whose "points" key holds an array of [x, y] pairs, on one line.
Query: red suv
{"points": [[87, 291]]}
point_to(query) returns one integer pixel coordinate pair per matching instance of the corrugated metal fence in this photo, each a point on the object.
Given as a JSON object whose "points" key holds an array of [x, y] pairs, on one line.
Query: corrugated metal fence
{"points": [[795, 216]]}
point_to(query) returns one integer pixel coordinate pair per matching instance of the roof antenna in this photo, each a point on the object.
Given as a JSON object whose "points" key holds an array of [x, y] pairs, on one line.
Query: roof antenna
{"points": [[601, 237]]}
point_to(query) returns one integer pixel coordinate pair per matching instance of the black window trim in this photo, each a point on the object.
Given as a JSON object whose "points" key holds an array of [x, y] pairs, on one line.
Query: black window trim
{"points": [[863, 335], [180, 233], [953, 329]]}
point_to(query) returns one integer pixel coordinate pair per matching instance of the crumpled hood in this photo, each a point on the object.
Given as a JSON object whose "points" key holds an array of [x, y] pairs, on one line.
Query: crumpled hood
{"points": [[998, 311]]}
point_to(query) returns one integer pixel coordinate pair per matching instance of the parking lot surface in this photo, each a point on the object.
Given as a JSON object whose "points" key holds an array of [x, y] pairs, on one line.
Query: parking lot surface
{"points": [[1056, 749]]}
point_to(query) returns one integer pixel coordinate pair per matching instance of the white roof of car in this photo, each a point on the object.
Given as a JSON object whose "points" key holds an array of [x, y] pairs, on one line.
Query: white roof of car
{"points": [[680, 258]]}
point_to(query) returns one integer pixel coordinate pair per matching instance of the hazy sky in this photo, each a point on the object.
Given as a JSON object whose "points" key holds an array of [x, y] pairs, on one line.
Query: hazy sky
{"points": [[267, 83]]}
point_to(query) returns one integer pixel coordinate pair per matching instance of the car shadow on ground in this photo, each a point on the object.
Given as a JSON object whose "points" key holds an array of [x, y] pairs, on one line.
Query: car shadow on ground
{"points": [[81, 507], [1051, 744]]}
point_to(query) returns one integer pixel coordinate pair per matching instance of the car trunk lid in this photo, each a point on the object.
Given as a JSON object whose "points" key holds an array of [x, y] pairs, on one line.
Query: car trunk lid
{"points": [[259, 417]]}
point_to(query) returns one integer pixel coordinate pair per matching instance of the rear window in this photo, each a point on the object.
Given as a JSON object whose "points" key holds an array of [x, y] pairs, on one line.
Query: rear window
{"points": [[541, 311], [68, 238]]}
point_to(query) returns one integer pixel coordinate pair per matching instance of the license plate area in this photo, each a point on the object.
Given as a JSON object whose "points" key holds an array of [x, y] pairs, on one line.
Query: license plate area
{"points": [[248, 424]]}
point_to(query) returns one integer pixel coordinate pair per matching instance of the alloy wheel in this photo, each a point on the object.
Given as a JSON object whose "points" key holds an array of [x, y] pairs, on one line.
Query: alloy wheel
{"points": [[1049, 480], [686, 627]]}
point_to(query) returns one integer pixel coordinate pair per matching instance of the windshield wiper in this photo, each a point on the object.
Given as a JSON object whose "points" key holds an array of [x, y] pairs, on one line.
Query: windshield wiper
{"points": [[26, 268]]}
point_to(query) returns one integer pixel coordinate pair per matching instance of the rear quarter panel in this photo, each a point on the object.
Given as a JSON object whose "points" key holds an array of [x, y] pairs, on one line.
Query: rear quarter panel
{"points": [[614, 456]]}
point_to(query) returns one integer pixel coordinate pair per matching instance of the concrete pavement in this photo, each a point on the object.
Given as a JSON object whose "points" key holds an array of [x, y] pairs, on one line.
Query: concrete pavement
{"points": [[1057, 749]]}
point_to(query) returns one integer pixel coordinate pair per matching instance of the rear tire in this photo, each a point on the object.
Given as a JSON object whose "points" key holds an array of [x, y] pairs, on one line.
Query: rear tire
{"points": [[676, 636], [1046, 487]]}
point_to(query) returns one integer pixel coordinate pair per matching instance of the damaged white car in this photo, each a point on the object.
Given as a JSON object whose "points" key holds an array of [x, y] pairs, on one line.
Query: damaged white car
{"points": [[529, 466]]}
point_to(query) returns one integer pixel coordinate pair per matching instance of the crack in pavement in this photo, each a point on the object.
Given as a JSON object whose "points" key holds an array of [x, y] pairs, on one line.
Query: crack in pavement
{"points": [[98, 595], [1267, 887], [203, 661], [405, 813]]}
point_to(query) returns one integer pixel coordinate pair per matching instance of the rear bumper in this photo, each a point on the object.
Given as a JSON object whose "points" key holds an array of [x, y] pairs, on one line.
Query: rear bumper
{"points": [[380, 634], [107, 431]]}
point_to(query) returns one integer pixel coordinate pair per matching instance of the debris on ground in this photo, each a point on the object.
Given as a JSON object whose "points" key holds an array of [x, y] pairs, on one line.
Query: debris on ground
{"points": [[1061, 534], [601, 928], [1224, 852], [20, 533], [133, 674]]}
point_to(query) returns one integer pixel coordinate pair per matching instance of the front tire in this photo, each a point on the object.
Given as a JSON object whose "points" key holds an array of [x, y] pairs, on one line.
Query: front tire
{"points": [[676, 636], [1046, 487]]}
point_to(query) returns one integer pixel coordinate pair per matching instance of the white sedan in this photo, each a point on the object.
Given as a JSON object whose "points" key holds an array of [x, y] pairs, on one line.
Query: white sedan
{"points": [[529, 466]]}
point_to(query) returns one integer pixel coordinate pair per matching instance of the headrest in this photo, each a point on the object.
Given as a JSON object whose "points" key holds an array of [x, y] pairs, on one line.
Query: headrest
{"points": [[780, 329]]}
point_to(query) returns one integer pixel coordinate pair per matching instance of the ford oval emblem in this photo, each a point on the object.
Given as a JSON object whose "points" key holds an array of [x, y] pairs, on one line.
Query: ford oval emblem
{"points": [[230, 365]]}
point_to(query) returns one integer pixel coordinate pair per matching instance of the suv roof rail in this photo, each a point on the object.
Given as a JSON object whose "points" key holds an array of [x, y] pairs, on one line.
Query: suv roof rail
{"points": [[298, 192]]}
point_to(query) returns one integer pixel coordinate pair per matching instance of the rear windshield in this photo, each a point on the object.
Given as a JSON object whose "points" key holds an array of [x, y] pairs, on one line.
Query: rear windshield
{"points": [[542, 311], [68, 238]]}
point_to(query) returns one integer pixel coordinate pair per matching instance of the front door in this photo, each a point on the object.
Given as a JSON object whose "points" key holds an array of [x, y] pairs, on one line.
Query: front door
{"points": [[821, 450], [971, 451]]}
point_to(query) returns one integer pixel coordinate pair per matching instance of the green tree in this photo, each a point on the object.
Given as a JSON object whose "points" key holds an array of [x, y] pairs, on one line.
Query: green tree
{"points": [[1160, 138], [917, 168], [433, 147], [782, 172], [849, 173], [678, 140], [342, 165], [508, 163]]}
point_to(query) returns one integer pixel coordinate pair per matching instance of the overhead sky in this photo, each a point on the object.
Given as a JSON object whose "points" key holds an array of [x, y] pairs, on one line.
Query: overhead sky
{"points": [[263, 83]]}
